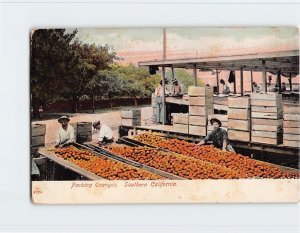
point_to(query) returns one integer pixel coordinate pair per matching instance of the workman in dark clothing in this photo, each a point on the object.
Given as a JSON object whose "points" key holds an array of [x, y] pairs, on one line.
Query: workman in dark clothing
{"points": [[218, 136]]}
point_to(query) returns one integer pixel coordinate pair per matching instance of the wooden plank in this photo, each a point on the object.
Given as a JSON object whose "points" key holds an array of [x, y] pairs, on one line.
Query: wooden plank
{"points": [[200, 91], [272, 128], [266, 96], [180, 128], [84, 127], [198, 120], [134, 113], [291, 117], [266, 115], [291, 124], [197, 130], [238, 102], [238, 113], [269, 141], [38, 141], [38, 129], [291, 137], [288, 143], [292, 109], [237, 135], [265, 134], [201, 101], [265, 109], [200, 110], [257, 121], [268, 103], [180, 118], [243, 125], [291, 131]]}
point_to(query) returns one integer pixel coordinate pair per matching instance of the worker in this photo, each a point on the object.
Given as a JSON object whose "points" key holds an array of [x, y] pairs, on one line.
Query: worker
{"points": [[41, 112], [226, 89], [177, 89], [218, 136], [65, 135], [256, 87], [105, 135], [283, 87], [159, 101]]}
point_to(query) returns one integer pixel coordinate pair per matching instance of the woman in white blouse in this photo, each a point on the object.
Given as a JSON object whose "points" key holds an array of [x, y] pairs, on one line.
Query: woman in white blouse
{"points": [[65, 135]]}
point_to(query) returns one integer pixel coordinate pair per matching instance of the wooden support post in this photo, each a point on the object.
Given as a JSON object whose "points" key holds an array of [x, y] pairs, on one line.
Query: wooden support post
{"points": [[234, 84], [279, 81], [264, 77], [164, 97], [251, 81], [173, 73], [242, 82], [218, 86], [290, 82], [195, 74]]}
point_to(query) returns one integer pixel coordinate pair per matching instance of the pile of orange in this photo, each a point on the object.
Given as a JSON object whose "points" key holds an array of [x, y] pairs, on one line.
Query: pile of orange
{"points": [[243, 164], [180, 165], [101, 166]]}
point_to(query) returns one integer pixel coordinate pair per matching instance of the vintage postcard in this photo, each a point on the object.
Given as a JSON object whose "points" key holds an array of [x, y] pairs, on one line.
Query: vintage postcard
{"points": [[164, 115]]}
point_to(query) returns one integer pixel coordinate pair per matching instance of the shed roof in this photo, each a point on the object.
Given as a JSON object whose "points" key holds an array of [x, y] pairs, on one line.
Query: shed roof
{"points": [[287, 61]]}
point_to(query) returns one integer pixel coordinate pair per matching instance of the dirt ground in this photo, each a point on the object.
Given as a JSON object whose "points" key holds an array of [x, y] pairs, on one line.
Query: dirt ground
{"points": [[111, 118]]}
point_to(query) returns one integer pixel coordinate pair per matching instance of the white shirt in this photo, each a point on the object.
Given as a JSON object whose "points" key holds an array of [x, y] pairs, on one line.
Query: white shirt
{"points": [[65, 136], [105, 131], [159, 91]]}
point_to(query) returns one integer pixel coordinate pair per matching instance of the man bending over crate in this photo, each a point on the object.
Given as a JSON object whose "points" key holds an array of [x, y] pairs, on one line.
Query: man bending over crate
{"points": [[218, 136], [105, 133]]}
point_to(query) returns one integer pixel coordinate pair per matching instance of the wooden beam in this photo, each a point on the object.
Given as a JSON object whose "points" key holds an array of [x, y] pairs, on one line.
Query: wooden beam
{"points": [[264, 77], [251, 81], [242, 82], [279, 81], [218, 85], [290, 82], [195, 74], [173, 73], [234, 83], [164, 96]]}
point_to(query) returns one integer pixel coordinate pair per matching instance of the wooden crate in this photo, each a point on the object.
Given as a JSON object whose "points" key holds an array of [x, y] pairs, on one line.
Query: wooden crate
{"points": [[82, 137], [238, 135], [201, 101], [243, 125], [134, 113], [130, 122], [289, 143], [38, 129], [38, 141], [291, 117], [200, 91], [238, 113], [83, 127], [200, 110], [179, 118], [198, 120], [267, 115], [180, 128], [197, 130], [238, 102]]}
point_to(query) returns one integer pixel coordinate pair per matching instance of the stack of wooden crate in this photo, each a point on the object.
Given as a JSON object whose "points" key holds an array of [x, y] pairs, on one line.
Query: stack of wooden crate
{"points": [[200, 106], [239, 119], [154, 108], [131, 117], [266, 118], [38, 132], [181, 122], [83, 132], [221, 117], [291, 125]]}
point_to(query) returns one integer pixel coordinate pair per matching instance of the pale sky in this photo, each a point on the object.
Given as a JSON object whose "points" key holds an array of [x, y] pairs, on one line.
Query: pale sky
{"points": [[141, 44]]}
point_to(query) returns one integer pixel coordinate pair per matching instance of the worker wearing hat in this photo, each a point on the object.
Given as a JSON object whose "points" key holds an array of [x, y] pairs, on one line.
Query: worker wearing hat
{"points": [[65, 135], [218, 136], [105, 133], [177, 89], [283, 87]]}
